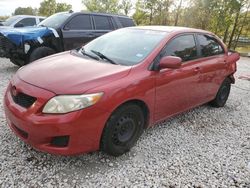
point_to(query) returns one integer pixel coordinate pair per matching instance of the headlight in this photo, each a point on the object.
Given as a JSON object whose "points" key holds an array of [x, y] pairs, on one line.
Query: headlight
{"points": [[68, 103]]}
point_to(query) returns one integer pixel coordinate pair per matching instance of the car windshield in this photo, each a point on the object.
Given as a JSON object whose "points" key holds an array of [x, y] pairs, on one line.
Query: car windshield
{"points": [[55, 20], [10, 20], [128, 46]]}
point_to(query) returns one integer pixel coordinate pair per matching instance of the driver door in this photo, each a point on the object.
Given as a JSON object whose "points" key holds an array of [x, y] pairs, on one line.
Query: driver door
{"points": [[176, 89]]}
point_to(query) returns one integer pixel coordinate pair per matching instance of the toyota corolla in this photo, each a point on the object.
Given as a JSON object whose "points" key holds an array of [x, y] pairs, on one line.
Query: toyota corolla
{"points": [[101, 96]]}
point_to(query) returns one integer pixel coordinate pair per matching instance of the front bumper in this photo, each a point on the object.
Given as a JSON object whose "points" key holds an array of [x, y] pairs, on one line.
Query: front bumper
{"points": [[82, 128]]}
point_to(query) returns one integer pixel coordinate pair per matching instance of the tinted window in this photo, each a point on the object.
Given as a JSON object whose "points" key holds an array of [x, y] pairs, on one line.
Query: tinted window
{"points": [[27, 22], [80, 22], [126, 22], [209, 46], [102, 23], [183, 47], [55, 21]]}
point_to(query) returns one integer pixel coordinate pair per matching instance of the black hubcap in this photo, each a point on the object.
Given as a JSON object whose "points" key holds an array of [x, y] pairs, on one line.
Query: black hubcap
{"points": [[124, 130]]}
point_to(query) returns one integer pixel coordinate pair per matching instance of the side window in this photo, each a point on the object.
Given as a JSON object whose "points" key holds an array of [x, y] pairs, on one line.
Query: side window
{"points": [[209, 46], [126, 22], [102, 23], [27, 22], [183, 47], [80, 22]]}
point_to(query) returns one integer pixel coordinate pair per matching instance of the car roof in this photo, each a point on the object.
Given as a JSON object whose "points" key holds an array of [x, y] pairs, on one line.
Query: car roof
{"points": [[31, 16], [171, 29], [98, 13]]}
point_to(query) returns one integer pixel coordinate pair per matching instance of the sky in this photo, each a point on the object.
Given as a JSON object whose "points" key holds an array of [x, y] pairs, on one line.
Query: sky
{"points": [[7, 7]]}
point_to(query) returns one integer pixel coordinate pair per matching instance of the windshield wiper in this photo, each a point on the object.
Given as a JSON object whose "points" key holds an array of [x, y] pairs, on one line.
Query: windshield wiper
{"points": [[89, 55], [104, 57]]}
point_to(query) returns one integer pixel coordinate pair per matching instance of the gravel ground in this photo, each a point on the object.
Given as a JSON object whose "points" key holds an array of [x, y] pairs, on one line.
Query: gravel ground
{"points": [[205, 147]]}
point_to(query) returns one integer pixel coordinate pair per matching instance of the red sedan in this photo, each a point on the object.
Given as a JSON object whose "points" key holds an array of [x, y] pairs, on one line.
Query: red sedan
{"points": [[102, 95]]}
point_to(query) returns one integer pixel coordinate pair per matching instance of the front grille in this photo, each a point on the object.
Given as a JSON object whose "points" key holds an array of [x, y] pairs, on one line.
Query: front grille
{"points": [[23, 100]]}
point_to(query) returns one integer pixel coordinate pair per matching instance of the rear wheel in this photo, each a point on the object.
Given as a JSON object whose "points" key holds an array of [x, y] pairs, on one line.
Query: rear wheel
{"points": [[122, 130], [40, 53], [222, 94]]}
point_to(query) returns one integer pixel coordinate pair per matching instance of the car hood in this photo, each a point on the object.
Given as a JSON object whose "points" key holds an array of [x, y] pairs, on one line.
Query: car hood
{"points": [[20, 35], [66, 73]]}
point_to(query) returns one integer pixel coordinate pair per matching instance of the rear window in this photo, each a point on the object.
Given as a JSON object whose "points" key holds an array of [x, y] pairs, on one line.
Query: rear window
{"points": [[126, 22], [209, 46]]}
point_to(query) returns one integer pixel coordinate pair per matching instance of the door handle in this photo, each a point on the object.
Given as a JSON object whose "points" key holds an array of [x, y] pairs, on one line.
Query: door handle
{"points": [[197, 69], [91, 35]]}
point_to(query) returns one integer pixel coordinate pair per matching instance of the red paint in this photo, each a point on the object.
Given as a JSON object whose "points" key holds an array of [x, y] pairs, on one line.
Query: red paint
{"points": [[166, 92]]}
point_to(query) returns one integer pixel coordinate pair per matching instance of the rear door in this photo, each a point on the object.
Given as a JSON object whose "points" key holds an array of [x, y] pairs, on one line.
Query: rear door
{"points": [[102, 24], [176, 89], [78, 31], [212, 65]]}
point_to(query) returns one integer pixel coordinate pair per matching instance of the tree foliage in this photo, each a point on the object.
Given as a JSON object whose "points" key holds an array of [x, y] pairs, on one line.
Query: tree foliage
{"points": [[49, 7], [3, 18], [104, 6], [25, 11], [62, 7], [126, 6], [227, 18]]}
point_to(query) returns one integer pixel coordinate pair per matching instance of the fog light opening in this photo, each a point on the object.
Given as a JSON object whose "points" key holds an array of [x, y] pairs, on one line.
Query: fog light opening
{"points": [[60, 141]]}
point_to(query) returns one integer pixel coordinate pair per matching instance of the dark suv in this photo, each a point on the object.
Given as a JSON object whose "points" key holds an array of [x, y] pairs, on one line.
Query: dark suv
{"points": [[60, 32]]}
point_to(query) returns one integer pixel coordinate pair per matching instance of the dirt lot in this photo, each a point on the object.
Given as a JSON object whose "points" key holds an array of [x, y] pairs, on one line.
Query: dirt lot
{"points": [[205, 147]]}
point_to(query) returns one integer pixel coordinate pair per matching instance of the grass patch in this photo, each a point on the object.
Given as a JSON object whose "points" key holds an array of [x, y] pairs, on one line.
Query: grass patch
{"points": [[245, 49]]}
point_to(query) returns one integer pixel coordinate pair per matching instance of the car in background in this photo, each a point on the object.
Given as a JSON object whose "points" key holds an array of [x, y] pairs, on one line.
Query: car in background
{"points": [[103, 95], [59, 32], [21, 21]]}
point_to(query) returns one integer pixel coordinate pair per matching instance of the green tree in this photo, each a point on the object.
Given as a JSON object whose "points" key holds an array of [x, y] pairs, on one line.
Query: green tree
{"points": [[153, 12], [24, 11], [47, 7], [140, 16], [3, 18], [106, 6], [126, 6], [62, 7]]}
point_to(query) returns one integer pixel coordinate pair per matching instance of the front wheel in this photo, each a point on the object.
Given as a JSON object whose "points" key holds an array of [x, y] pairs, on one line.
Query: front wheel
{"points": [[122, 130], [41, 52], [222, 94]]}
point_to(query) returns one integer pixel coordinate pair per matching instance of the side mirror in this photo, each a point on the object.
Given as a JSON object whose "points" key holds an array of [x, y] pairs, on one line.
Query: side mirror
{"points": [[170, 62], [19, 25]]}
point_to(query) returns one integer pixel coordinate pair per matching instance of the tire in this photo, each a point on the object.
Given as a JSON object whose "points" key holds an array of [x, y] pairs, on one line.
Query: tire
{"points": [[222, 94], [40, 53], [17, 62], [122, 130]]}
